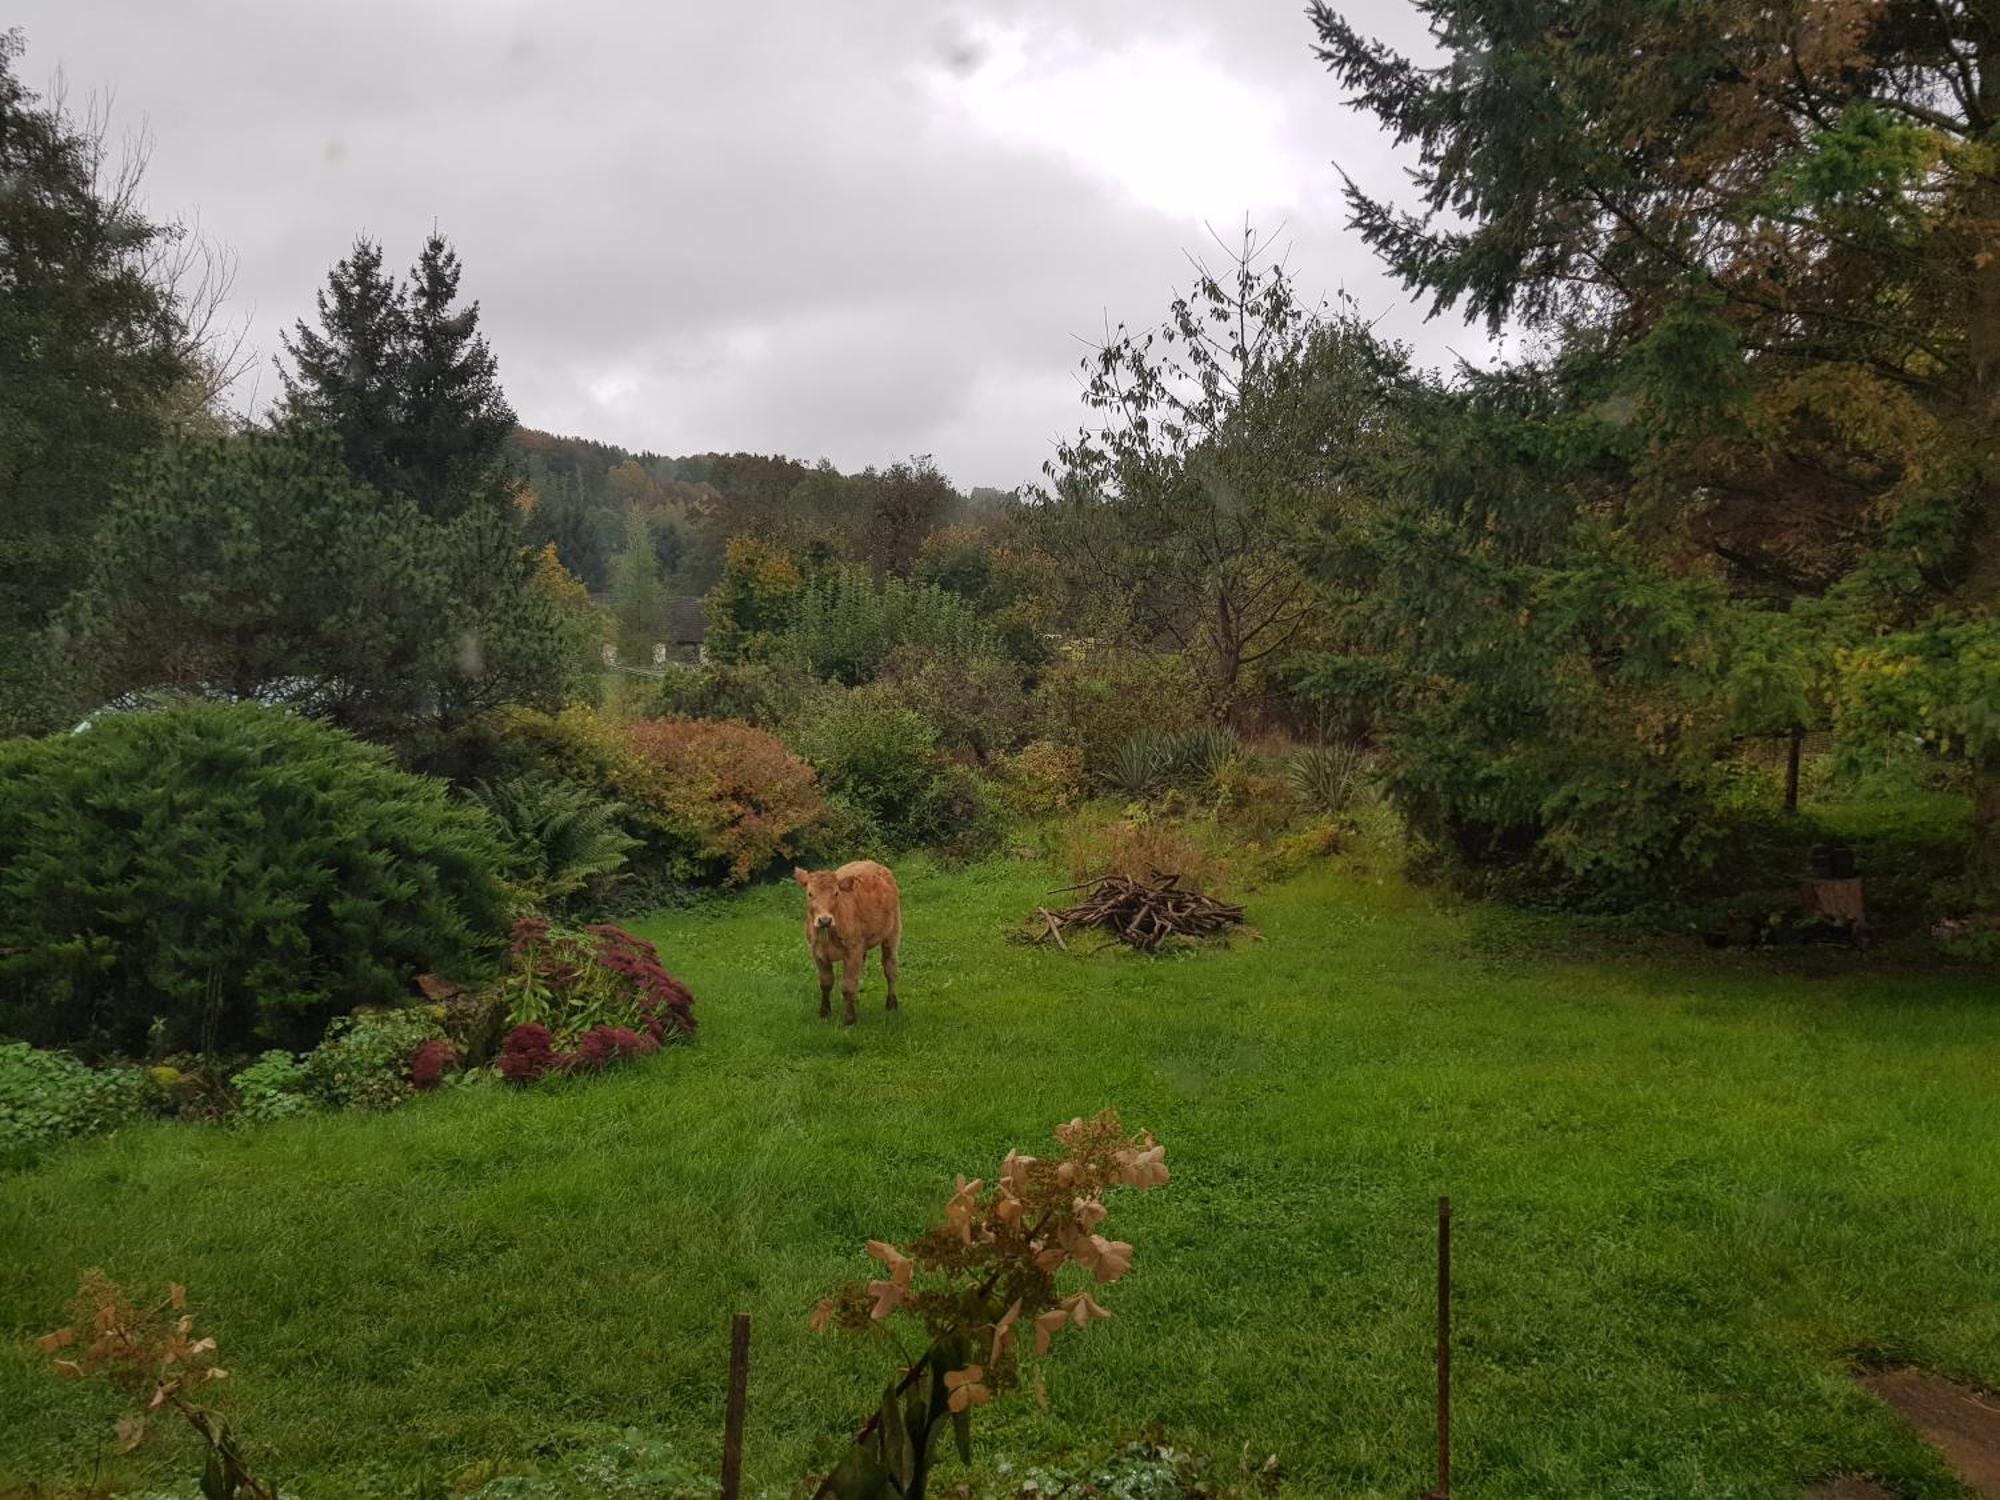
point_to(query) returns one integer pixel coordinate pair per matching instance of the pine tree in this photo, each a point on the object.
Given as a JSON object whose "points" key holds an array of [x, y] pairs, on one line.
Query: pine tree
{"points": [[255, 566], [561, 520]]}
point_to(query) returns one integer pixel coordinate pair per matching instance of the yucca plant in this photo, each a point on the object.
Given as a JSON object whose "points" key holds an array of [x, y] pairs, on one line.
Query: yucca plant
{"points": [[1328, 778], [1141, 767], [1200, 754]]}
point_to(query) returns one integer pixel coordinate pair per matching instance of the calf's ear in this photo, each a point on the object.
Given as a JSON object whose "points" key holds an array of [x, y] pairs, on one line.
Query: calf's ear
{"points": [[847, 882], [800, 875]]}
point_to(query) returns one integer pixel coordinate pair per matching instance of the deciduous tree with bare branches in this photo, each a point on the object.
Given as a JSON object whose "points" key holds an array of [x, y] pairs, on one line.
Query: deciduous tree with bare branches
{"points": [[1224, 438]]}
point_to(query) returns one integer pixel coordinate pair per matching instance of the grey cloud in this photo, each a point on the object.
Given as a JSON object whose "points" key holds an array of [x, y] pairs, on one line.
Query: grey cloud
{"points": [[713, 226]]}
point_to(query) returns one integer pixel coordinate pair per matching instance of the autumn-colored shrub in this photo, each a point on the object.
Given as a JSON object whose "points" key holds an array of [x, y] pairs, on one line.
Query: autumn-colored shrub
{"points": [[1027, 1253], [151, 1357], [717, 798], [663, 1005], [877, 755], [430, 1062], [529, 1054], [581, 1000]]}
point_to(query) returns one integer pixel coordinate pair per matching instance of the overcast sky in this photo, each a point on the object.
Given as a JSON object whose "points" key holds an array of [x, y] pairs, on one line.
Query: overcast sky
{"points": [[856, 229]]}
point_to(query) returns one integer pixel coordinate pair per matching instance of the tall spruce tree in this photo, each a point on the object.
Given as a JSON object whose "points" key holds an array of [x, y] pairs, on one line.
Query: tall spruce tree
{"points": [[638, 593], [454, 418], [402, 375], [350, 370]]}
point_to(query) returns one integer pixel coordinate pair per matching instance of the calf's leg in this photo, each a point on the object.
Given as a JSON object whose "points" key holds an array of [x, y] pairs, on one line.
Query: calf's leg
{"points": [[825, 966], [889, 968], [850, 981]]}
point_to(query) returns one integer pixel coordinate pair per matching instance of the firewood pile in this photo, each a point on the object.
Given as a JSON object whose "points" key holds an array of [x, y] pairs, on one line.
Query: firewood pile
{"points": [[1142, 914]]}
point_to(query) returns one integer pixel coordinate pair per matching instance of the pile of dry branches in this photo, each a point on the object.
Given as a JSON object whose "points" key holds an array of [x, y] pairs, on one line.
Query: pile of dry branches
{"points": [[1141, 914]]}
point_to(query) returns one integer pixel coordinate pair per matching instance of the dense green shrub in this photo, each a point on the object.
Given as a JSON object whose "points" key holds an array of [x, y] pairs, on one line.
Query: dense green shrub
{"points": [[958, 818], [756, 693], [1022, 592], [879, 758], [979, 705], [881, 764], [1098, 700], [364, 1063], [578, 744], [276, 1086], [234, 872], [848, 623], [565, 840], [1041, 778], [47, 1097]]}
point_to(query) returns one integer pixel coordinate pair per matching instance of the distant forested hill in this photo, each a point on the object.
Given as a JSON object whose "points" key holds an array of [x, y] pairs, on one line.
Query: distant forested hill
{"points": [[596, 500]]}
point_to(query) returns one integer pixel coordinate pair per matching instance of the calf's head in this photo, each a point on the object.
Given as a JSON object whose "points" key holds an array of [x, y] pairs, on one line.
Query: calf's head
{"points": [[823, 890]]}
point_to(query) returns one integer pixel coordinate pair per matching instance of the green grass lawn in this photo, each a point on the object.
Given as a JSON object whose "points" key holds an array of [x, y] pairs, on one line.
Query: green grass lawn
{"points": [[1690, 1191]]}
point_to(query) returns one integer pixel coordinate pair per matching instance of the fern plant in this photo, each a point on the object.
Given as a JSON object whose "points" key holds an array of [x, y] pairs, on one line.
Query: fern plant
{"points": [[564, 838]]}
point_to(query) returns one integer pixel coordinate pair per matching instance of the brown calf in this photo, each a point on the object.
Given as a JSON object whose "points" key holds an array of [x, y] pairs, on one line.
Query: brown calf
{"points": [[849, 911]]}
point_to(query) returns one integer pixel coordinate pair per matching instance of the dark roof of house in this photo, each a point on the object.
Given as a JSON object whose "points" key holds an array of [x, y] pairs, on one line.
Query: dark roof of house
{"points": [[687, 621]]}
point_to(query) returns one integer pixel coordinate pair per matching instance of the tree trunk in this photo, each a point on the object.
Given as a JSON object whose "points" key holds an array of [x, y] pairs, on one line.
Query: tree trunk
{"points": [[1986, 829], [1792, 772], [1228, 660]]}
